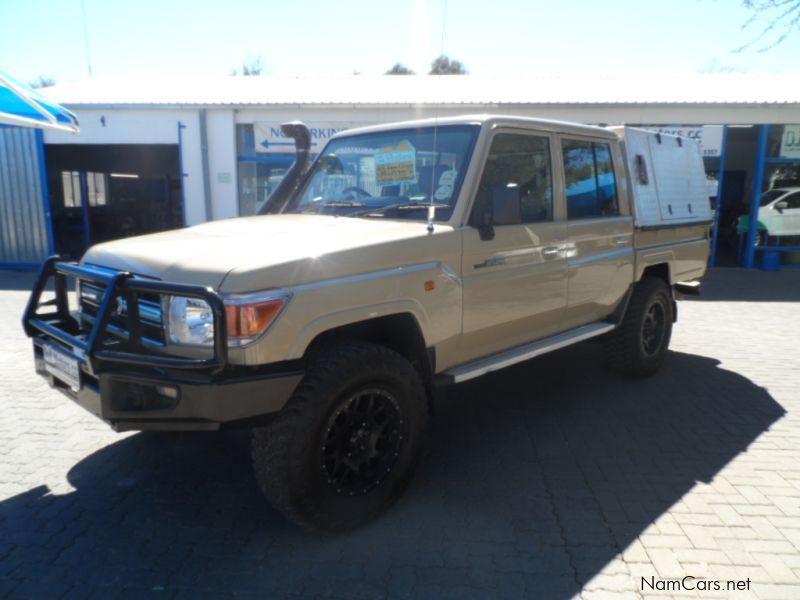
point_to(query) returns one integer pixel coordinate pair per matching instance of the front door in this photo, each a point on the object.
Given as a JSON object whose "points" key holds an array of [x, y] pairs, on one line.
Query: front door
{"points": [[514, 283], [599, 232]]}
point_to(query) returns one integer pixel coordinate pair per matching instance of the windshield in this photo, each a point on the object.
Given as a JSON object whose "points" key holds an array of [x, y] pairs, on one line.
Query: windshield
{"points": [[393, 174], [771, 195]]}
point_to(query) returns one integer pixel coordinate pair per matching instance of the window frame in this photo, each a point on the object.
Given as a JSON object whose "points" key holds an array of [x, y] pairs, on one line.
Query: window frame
{"points": [[559, 210], [616, 165]]}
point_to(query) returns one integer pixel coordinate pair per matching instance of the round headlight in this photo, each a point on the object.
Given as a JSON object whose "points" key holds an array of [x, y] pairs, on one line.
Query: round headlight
{"points": [[190, 321]]}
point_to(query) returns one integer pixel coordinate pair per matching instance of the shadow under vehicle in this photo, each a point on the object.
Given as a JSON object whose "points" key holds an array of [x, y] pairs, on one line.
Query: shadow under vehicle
{"points": [[535, 479]]}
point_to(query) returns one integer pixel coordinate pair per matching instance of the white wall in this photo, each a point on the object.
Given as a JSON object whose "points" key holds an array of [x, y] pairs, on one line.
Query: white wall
{"points": [[143, 126], [221, 138], [123, 126], [194, 204]]}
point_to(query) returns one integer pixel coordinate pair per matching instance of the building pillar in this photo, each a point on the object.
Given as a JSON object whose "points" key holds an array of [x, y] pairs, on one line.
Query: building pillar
{"points": [[720, 182], [758, 182]]}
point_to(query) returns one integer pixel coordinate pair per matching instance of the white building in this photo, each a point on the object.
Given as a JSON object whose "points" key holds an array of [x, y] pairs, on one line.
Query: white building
{"points": [[153, 155]]}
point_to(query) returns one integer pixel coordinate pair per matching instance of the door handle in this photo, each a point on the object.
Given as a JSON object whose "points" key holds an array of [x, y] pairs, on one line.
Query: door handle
{"points": [[491, 262], [622, 240], [549, 251]]}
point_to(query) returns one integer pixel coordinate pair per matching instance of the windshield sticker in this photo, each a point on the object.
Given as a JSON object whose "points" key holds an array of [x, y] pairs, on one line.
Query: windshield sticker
{"points": [[443, 192], [447, 178], [397, 164]]}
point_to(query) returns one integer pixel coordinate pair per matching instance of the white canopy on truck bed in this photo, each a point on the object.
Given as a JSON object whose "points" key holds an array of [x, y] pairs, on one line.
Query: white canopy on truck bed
{"points": [[666, 178]]}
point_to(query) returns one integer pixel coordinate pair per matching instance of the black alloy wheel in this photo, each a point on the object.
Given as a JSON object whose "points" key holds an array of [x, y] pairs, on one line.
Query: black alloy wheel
{"points": [[345, 446], [653, 327], [637, 346], [362, 442]]}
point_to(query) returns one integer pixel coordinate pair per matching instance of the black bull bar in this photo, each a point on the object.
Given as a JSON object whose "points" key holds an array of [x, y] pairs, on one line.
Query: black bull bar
{"points": [[60, 325]]}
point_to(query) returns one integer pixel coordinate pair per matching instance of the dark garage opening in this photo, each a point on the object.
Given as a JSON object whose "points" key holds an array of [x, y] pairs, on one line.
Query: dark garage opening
{"points": [[737, 192], [105, 192]]}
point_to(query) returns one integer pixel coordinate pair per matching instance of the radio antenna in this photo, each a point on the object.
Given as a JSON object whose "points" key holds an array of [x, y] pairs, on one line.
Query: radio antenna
{"points": [[436, 158], [86, 39]]}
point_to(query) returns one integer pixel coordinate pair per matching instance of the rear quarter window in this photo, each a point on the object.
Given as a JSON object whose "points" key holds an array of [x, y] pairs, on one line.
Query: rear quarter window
{"points": [[590, 182]]}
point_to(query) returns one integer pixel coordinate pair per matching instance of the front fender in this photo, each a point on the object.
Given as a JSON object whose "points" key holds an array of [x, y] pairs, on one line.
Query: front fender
{"points": [[431, 292], [356, 315]]}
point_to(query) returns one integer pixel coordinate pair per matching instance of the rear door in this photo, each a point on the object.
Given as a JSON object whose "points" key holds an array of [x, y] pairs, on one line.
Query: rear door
{"points": [[599, 247], [514, 283]]}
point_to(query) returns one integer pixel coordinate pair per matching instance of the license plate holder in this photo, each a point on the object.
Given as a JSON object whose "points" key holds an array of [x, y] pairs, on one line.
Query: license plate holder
{"points": [[62, 365]]}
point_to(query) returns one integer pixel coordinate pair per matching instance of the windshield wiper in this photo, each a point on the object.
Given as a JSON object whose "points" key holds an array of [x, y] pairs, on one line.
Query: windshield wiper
{"points": [[400, 206], [334, 204]]}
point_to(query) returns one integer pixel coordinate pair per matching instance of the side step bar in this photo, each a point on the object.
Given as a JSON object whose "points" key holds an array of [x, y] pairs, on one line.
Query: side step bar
{"points": [[522, 353]]}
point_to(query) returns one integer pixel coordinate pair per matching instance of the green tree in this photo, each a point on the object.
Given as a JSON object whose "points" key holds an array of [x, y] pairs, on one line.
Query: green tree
{"points": [[443, 65], [399, 69], [777, 19], [42, 81], [251, 67]]}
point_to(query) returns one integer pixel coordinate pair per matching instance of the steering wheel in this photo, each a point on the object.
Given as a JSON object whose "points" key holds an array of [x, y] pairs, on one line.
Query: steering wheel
{"points": [[357, 191]]}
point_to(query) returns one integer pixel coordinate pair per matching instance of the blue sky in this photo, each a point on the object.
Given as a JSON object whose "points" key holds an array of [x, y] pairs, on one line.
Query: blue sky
{"points": [[498, 37]]}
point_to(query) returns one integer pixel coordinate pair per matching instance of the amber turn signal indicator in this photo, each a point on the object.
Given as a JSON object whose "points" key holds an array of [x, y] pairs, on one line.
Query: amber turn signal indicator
{"points": [[249, 320], [430, 285]]}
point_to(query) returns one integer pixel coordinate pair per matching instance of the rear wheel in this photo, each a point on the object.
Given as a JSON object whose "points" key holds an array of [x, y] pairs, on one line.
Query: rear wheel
{"points": [[345, 446], [637, 347]]}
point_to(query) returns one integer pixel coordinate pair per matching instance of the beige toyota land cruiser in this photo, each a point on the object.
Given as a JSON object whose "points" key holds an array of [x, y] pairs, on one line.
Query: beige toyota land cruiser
{"points": [[405, 257]]}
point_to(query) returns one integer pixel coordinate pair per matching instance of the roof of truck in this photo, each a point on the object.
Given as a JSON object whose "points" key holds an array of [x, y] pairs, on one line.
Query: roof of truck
{"points": [[491, 121]]}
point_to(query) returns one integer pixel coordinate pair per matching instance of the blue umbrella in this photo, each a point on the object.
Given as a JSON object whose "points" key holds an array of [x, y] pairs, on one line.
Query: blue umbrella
{"points": [[23, 106]]}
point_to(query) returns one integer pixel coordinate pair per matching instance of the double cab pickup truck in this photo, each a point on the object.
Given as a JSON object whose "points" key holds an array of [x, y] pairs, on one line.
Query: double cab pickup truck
{"points": [[403, 258]]}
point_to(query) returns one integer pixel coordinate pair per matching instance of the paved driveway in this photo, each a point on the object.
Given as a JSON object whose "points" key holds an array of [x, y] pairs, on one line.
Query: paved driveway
{"points": [[549, 480]]}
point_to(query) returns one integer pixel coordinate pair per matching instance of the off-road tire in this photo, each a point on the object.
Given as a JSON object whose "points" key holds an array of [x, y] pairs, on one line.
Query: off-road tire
{"points": [[627, 349], [289, 453]]}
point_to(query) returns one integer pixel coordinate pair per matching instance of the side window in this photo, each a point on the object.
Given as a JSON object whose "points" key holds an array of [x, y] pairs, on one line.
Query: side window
{"points": [[518, 174], [590, 182], [793, 201]]}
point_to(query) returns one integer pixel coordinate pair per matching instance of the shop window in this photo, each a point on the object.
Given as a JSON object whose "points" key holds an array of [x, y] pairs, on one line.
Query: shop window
{"points": [[591, 185], [259, 173], [783, 141], [257, 180], [782, 175]]}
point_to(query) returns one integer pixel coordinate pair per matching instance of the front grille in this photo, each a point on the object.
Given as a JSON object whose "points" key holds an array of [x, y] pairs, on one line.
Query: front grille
{"points": [[150, 317]]}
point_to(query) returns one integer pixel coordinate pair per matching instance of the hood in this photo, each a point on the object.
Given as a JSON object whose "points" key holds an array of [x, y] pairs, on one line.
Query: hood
{"points": [[308, 247]]}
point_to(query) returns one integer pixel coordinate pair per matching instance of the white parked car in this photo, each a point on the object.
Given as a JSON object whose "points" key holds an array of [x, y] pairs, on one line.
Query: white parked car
{"points": [[779, 213]]}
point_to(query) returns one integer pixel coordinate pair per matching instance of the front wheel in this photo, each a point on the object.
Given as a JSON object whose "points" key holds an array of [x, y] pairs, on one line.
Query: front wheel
{"points": [[346, 444], [638, 346]]}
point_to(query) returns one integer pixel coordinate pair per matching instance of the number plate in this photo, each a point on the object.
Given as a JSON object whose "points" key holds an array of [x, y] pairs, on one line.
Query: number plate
{"points": [[63, 366]]}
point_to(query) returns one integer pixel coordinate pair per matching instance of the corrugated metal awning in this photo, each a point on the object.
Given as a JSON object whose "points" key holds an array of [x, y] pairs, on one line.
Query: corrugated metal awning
{"points": [[20, 105]]}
